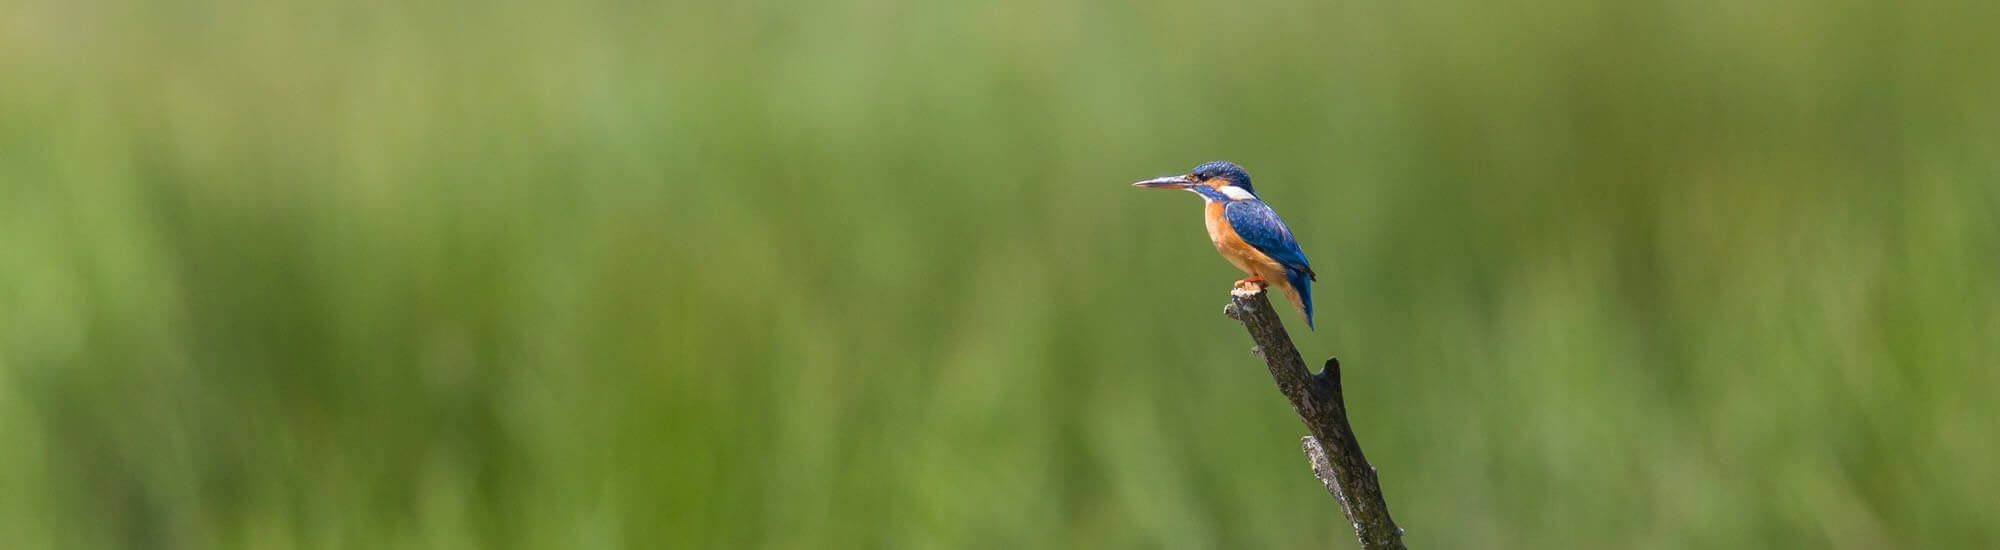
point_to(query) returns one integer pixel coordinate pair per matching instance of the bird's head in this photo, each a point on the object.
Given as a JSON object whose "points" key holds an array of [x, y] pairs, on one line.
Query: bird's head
{"points": [[1215, 181]]}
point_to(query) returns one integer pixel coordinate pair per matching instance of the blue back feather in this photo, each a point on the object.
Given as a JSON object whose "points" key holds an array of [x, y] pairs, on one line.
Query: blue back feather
{"points": [[1259, 226]]}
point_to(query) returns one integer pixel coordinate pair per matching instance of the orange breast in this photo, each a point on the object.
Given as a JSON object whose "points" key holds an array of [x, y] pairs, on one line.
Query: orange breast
{"points": [[1239, 253]]}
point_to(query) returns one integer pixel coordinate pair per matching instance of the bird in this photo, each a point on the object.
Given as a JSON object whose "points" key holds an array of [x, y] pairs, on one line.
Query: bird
{"points": [[1247, 232]]}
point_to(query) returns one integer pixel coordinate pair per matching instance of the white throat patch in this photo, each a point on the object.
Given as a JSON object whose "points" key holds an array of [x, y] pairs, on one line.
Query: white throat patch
{"points": [[1236, 193]]}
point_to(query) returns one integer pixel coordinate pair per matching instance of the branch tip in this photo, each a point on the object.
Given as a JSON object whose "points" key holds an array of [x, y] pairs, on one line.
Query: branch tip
{"points": [[1331, 372]]}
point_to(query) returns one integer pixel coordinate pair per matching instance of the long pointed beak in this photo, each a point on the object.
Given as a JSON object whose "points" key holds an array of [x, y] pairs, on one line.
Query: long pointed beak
{"points": [[1171, 182]]}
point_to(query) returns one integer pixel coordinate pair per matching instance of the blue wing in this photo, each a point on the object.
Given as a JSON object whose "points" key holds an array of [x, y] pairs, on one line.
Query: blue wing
{"points": [[1259, 226]]}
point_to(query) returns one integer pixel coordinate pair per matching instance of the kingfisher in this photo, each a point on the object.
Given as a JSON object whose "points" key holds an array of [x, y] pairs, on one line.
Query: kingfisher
{"points": [[1247, 232]]}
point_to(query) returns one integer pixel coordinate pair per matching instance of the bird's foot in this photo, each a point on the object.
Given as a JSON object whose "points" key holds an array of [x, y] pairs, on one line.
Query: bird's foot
{"points": [[1249, 286]]}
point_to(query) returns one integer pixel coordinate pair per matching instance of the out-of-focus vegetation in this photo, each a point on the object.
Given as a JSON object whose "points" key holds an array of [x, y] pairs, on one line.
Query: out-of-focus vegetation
{"points": [[869, 274]]}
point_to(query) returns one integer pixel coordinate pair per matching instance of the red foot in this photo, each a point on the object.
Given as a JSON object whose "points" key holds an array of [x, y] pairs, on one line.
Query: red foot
{"points": [[1252, 280]]}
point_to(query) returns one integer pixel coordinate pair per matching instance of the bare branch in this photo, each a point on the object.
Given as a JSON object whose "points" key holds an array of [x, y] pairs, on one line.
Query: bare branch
{"points": [[1317, 399]]}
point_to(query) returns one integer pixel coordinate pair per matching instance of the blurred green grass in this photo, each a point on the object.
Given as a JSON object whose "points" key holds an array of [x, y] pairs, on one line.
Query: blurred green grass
{"points": [[868, 274]]}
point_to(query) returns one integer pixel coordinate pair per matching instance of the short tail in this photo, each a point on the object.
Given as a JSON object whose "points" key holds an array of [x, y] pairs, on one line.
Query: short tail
{"points": [[1300, 291]]}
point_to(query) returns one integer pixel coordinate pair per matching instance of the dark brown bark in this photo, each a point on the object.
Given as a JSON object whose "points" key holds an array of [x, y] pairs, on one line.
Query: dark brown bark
{"points": [[1336, 456]]}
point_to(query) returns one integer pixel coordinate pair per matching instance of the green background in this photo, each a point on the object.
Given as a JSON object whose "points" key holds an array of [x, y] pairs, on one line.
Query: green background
{"points": [[869, 274]]}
